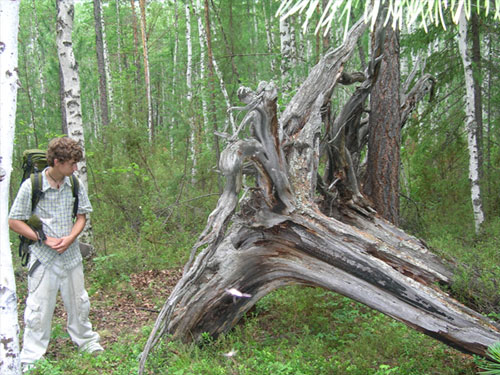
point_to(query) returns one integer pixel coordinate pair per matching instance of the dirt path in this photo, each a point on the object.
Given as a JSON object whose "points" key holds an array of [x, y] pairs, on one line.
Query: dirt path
{"points": [[126, 309]]}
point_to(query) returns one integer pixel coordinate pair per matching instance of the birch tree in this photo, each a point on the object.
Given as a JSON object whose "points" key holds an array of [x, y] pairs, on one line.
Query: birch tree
{"points": [[288, 54], [103, 81], [174, 73], [71, 105], [147, 78], [189, 85], [203, 46], [269, 34], [9, 327], [471, 124]]}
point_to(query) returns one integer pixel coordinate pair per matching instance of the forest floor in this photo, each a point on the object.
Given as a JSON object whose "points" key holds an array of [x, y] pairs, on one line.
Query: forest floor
{"points": [[309, 330], [124, 309]]}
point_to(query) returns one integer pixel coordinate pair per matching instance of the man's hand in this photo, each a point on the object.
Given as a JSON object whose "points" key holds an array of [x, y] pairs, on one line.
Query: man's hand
{"points": [[59, 244]]}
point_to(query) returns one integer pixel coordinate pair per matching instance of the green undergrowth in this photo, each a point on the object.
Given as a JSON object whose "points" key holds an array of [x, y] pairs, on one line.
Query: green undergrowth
{"points": [[294, 330], [476, 262]]}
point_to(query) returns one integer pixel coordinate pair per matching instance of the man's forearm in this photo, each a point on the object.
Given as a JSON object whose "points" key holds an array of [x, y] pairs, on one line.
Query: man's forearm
{"points": [[78, 226], [20, 227]]}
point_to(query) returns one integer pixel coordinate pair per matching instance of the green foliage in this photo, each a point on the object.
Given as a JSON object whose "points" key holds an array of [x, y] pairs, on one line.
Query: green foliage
{"points": [[492, 366]]}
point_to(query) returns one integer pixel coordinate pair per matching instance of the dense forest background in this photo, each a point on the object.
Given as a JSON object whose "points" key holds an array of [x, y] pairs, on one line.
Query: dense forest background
{"points": [[150, 116]]}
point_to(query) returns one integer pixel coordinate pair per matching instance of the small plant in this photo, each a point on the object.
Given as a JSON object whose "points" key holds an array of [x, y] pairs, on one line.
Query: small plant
{"points": [[492, 366]]}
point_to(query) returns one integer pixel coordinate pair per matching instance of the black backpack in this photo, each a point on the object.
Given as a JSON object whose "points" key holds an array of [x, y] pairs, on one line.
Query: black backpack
{"points": [[34, 162]]}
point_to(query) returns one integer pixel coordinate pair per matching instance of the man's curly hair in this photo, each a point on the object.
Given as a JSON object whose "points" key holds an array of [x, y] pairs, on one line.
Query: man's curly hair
{"points": [[63, 149]]}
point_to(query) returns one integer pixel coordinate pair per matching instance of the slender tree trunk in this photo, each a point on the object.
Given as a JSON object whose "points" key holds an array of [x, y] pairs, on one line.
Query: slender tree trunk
{"points": [[9, 83], [478, 101], [203, 63], [471, 125], [147, 78], [41, 56], [107, 66], [136, 45], [189, 96], [489, 114], [103, 91], [288, 55], [227, 44], [211, 79], [71, 106], [31, 103], [174, 75], [118, 36], [382, 180], [269, 35]]}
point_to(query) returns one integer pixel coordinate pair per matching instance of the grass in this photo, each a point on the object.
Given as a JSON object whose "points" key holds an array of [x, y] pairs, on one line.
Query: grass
{"points": [[295, 330]]}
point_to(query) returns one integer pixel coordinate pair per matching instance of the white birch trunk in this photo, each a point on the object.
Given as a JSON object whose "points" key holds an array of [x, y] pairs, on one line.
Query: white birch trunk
{"points": [[203, 44], [288, 54], [146, 68], [72, 104], [70, 80], [107, 69], [9, 83], [174, 73], [222, 85], [189, 84], [119, 36], [269, 38], [471, 125], [41, 56], [255, 25]]}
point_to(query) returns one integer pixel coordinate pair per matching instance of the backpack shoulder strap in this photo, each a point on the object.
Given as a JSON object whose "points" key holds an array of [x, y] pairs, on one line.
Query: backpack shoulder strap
{"points": [[75, 185], [36, 189]]}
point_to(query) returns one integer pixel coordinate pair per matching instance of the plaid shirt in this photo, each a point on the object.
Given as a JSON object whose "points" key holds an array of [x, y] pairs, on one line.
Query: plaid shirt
{"points": [[55, 209]]}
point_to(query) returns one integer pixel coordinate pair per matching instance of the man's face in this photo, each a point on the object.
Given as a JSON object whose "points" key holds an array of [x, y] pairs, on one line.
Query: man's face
{"points": [[66, 168]]}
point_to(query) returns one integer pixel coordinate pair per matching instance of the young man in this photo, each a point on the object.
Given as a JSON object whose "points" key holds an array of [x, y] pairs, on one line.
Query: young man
{"points": [[55, 263]]}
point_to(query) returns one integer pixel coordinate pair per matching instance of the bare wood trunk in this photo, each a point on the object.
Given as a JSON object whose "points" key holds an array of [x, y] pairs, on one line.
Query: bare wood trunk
{"points": [[279, 233]]}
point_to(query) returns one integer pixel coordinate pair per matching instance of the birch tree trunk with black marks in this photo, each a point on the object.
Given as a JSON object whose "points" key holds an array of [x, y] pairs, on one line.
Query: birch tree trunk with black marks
{"points": [[471, 125], [9, 83], [189, 96], [71, 104], [296, 227], [288, 54]]}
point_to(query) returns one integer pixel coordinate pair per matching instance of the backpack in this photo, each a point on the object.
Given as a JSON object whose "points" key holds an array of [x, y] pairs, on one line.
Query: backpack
{"points": [[34, 162]]}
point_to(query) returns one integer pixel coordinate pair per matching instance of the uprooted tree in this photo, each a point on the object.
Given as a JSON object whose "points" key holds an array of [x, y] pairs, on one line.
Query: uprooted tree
{"points": [[295, 226]]}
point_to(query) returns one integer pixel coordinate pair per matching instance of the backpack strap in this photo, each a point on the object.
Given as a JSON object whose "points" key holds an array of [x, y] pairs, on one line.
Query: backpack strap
{"points": [[75, 185], [36, 189], [36, 194]]}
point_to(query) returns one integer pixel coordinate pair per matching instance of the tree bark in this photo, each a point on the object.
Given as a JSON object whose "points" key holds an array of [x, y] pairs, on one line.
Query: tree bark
{"points": [[289, 229], [382, 178], [147, 78], [189, 96], [9, 84], [71, 105], [103, 91], [211, 79], [471, 125], [288, 54]]}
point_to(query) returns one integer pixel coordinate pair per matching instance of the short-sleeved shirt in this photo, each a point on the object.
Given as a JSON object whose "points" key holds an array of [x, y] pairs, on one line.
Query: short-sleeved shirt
{"points": [[55, 210]]}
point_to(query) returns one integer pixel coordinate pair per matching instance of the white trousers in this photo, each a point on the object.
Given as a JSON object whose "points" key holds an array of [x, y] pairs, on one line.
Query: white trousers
{"points": [[43, 286]]}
